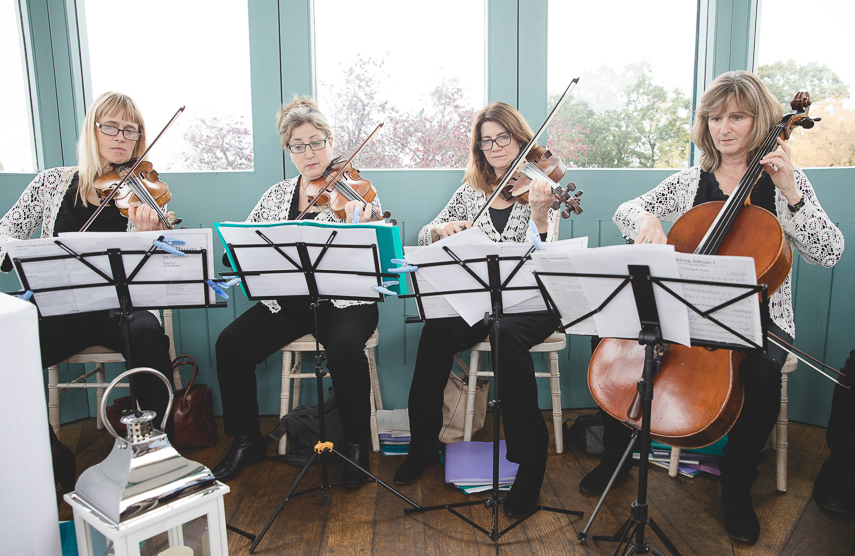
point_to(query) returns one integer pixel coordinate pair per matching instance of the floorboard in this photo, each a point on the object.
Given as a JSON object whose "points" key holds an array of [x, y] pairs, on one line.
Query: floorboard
{"points": [[370, 520]]}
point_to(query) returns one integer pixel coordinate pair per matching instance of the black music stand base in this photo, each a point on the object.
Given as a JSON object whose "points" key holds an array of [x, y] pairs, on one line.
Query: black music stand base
{"points": [[494, 501], [630, 536], [322, 449]]}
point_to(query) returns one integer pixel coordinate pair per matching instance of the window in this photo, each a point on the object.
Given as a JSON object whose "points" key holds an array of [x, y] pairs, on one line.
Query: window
{"points": [[17, 147], [168, 54], [635, 61], [420, 71], [816, 61]]}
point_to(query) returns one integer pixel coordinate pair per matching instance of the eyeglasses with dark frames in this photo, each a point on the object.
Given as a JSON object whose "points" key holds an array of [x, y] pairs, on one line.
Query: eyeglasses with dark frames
{"points": [[314, 145], [112, 131], [502, 140]]}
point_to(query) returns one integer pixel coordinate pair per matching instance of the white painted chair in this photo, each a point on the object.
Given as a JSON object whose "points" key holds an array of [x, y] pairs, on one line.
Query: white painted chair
{"points": [[98, 355], [552, 345], [292, 370], [779, 433]]}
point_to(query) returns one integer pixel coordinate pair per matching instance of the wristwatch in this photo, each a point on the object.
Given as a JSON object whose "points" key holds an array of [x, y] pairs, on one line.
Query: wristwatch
{"points": [[797, 207]]}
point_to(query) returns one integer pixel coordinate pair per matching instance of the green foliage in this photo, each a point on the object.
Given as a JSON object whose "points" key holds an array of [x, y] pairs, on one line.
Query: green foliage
{"points": [[785, 79], [648, 128]]}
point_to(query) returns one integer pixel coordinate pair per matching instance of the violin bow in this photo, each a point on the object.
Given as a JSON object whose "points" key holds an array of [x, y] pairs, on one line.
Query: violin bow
{"points": [[131, 173], [523, 153], [331, 183]]}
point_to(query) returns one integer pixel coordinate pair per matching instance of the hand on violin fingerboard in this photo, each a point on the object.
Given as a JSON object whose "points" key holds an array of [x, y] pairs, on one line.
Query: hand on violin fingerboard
{"points": [[144, 218], [448, 229]]}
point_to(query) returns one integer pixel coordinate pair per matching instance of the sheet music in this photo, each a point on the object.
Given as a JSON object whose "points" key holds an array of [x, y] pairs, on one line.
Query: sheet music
{"points": [[743, 316], [619, 318], [566, 291], [470, 245], [72, 273], [254, 254]]}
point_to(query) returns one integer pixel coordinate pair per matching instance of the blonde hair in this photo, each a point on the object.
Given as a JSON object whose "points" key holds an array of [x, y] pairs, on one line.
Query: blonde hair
{"points": [[479, 174], [88, 156], [301, 110], [751, 96]]}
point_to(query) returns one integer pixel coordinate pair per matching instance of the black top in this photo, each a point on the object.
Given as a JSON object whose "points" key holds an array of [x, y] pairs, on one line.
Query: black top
{"points": [[763, 194], [500, 220], [73, 215]]}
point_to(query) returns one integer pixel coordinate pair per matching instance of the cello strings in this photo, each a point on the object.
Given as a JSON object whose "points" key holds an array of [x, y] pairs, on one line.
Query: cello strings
{"points": [[743, 191]]}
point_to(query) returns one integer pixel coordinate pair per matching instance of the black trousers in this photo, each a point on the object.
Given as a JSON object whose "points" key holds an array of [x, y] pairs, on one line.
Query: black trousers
{"points": [[63, 336], [761, 377], [841, 423], [257, 334], [525, 430]]}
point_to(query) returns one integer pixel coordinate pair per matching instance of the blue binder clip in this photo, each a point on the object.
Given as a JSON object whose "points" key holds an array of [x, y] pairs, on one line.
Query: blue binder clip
{"points": [[167, 243], [232, 282], [217, 289], [356, 215], [404, 268], [28, 294], [383, 289], [535, 235]]}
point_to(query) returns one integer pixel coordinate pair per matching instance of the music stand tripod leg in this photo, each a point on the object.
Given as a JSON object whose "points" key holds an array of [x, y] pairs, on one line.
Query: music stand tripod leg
{"points": [[322, 448]]}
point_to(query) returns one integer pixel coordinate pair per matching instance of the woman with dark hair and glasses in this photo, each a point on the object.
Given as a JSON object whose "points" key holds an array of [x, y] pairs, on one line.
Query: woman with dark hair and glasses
{"points": [[62, 200], [343, 326], [498, 134]]}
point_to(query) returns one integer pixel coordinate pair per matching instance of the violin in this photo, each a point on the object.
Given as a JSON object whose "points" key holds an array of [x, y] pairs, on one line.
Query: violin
{"points": [[531, 163], [699, 393], [341, 183], [138, 184], [540, 162], [348, 186], [143, 186]]}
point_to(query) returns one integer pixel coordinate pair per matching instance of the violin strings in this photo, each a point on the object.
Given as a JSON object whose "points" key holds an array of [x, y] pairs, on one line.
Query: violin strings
{"points": [[144, 195]]}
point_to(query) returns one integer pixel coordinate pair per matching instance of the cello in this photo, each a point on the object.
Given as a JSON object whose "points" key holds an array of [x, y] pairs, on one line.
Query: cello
{"points": [[699, 393]]}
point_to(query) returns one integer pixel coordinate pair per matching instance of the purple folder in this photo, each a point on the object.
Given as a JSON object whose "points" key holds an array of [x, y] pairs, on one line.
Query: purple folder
{"points": [[471, 463]]}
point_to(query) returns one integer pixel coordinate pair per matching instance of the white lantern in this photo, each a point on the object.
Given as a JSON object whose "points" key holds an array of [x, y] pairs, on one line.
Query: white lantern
{"points": [[145, 499]]}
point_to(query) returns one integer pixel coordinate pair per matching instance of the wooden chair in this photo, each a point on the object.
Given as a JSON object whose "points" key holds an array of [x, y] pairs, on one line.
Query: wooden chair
{"points": [[98, 355], [292, 369], [779, 433], [552, 345]]}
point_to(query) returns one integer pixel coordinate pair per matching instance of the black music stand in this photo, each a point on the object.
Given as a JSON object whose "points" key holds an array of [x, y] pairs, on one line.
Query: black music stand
{"points": [[495, 286], [127, 286], [631, 534], [316, 269]]}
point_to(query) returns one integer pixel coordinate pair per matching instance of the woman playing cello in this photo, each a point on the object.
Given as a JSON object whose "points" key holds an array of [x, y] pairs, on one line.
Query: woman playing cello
{"points": [[498, 134], [733, 118]]}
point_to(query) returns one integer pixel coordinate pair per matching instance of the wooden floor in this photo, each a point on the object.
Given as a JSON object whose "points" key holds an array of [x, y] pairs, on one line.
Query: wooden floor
{"points": [[370, 520]]}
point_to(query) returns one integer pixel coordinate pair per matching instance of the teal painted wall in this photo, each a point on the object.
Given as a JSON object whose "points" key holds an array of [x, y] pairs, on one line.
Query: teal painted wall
{"points": [[416, 196]]}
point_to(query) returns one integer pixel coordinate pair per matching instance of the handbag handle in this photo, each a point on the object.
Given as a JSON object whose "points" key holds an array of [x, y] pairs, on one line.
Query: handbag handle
{"points": [[177, 362]]}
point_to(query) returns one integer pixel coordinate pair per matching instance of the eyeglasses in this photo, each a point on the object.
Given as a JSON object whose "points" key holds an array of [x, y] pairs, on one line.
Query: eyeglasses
{"points": [[314, 145], [129, 134], [502, 140]]}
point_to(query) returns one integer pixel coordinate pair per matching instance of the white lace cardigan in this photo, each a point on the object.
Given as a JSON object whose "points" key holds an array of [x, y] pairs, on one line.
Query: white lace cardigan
{"points": [[275, 205], [810, 231], [37, 206], [465, 204]]}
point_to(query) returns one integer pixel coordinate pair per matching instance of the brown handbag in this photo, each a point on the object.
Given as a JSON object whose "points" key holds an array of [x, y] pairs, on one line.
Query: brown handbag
{"points": [[192, 410]]}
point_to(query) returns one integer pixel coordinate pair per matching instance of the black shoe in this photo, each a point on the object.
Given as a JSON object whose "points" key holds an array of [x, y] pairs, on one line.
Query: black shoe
{"points": [[351, 476], [740, 521], [248, 448], [418, 458], [833, 490], [596, 481], [64, 462], [522, 498]]}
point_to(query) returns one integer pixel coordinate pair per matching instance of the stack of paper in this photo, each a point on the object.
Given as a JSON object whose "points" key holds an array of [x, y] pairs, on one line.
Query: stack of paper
{"points": [[393, 427], [691, 463], [469, 466]]}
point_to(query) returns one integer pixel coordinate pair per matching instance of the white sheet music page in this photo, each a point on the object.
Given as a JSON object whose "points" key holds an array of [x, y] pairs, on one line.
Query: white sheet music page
{"points": [[742, 316]]}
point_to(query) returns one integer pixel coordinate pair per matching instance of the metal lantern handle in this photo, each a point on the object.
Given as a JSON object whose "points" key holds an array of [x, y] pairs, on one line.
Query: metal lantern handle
{"points": [[103, 408]]}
